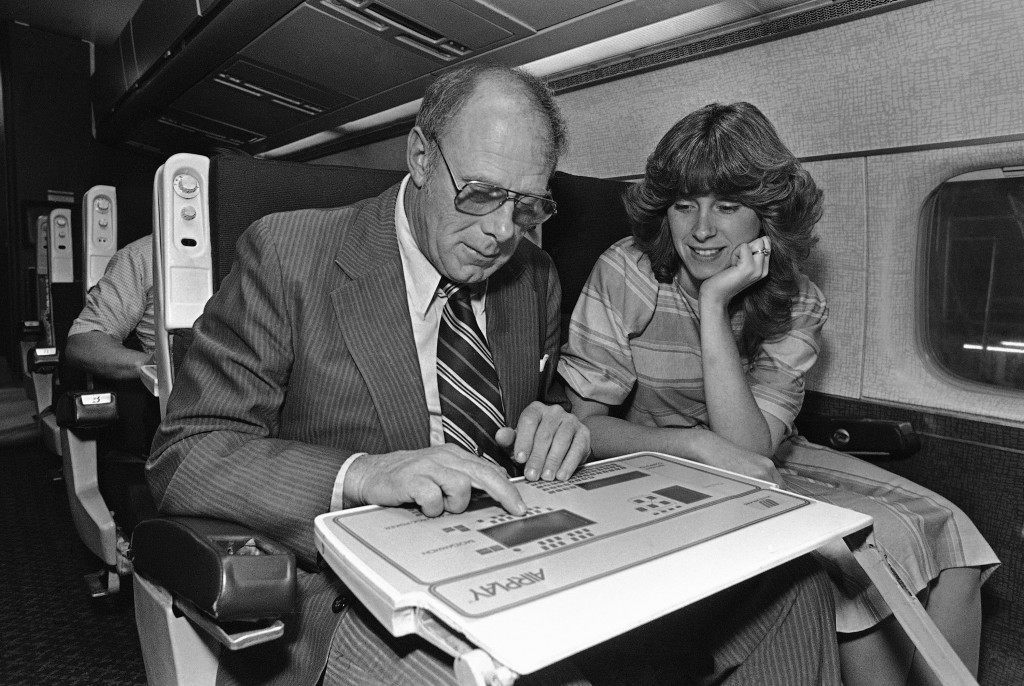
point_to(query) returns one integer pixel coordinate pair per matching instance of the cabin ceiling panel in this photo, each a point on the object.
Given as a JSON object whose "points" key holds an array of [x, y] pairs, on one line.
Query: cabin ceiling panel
{"points": [[838, 265], [899, 370], [336, 55]]}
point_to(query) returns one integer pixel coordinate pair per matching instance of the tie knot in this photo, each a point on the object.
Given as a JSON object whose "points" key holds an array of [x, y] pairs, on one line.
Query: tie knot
{"points": [[459, 292], [448, 288]]}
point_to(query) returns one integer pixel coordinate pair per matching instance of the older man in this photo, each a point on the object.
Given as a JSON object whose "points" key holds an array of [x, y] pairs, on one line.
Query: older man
{"points": [[397, 351]]}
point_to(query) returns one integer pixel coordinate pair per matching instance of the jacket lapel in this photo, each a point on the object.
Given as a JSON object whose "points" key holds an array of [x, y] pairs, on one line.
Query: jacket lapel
{"points": [[373, 316], [512, 326]]}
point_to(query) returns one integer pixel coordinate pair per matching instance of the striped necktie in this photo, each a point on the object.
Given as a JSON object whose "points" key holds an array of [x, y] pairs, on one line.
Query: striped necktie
{"points": [[471, 405]]}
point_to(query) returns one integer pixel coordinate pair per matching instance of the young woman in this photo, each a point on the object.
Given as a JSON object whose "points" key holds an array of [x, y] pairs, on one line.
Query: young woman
{"points": [[693, 337]]}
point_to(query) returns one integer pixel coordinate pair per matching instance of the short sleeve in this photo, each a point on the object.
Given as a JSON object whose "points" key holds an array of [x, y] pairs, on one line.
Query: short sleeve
{"points": [[596, 360], [776, 374], [117, 303]]}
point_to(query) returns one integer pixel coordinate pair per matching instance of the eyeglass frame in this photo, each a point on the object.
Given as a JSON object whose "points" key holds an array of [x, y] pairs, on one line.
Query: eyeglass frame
{"points": [[515, 195]]}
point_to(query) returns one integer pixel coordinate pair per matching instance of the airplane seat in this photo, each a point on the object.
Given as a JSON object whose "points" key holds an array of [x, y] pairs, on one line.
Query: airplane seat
{"points": [[61, 298], [201, 207], [31, 337], [36, 331], [63, 301], [590, 218], [101, 424]]}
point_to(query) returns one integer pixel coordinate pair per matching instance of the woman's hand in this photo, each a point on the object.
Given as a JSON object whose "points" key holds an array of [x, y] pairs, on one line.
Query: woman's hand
{"points": [[749, 265], [736, 459]]}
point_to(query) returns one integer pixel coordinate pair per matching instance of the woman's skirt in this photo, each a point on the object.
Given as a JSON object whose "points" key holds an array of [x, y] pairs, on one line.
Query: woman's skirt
{"points": [[919, 532]]}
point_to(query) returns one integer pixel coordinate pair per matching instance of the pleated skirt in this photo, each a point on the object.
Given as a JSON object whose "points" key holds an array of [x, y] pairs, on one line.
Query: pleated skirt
{"points": [[919, 532]]}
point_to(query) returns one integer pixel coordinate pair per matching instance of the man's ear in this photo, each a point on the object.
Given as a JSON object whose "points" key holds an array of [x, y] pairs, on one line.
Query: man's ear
{"points": [[416, 156]]}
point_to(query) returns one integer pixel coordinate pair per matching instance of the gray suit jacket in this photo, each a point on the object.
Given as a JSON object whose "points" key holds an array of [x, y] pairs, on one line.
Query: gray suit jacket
{"points": [[305, 355]]}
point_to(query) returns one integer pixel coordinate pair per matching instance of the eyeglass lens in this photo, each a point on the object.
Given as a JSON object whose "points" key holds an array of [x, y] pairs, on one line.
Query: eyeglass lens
{"points": [[480, 198]]}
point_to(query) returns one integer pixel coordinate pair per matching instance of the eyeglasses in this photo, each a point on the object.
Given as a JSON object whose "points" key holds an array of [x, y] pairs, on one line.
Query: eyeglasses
{"points": [[479, 198]]}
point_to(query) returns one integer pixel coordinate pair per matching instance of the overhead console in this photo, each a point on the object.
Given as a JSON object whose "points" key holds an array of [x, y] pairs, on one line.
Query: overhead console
{"points": [[259, 74]]}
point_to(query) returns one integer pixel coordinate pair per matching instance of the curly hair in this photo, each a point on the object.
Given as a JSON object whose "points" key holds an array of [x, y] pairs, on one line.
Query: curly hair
{"points": [[732, 151]]}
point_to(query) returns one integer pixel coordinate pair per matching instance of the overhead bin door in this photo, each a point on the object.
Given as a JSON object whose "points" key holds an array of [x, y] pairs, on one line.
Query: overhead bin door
{"points": [[326, 54], [257, 98], [362, 51]]}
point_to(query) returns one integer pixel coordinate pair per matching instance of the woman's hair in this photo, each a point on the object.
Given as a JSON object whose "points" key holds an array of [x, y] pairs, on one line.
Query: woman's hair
{"points": [[732, 151], [450, 92]]}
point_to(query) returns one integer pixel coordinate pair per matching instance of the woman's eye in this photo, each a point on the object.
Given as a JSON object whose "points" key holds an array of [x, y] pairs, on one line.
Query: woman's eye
{"points": [[728, 208], [683, 206]]}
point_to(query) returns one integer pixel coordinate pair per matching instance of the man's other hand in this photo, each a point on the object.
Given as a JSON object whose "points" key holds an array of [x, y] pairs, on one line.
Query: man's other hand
{"points": [[437, 479], [550, 442]]}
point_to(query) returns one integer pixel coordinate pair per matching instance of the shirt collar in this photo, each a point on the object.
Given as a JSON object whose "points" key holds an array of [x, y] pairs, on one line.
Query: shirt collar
{"points": [[421, 278]]}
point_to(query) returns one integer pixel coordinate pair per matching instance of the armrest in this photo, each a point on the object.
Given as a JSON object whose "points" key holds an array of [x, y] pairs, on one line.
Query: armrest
{"points": [[85, 409], [226, 571], [867, 438], [41, 363], [43, 360]]}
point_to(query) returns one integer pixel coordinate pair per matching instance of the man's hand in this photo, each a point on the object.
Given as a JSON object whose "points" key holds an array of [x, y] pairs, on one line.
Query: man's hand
{"points": [[437, 479], [550, 442]]}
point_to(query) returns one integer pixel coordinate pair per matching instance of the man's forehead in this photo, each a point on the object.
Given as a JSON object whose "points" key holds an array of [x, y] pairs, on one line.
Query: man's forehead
{"points": [[499, 144]]}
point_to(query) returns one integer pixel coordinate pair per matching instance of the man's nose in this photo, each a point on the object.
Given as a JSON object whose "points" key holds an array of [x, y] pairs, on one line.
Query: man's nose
{"points": [[499, 223]]}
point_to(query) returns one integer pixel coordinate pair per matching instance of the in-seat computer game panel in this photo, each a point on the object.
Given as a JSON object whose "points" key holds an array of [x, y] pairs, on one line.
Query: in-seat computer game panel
{"points": [[624, 541]]}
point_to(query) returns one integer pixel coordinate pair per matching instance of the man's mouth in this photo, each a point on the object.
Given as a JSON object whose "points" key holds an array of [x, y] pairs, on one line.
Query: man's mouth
{"points": [[489, 256]]}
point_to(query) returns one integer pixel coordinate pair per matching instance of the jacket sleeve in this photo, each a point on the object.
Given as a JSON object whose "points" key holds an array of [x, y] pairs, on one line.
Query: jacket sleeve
{"points": [[217, 452]]}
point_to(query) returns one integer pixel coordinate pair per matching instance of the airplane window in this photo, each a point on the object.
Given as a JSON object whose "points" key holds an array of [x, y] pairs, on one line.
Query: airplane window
{"points": [[975, 276]]}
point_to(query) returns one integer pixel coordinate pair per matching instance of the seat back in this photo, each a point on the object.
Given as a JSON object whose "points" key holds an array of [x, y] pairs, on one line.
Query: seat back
{"points": [[37, 332], [182, 263], [59, 300], [202, 205], [99, 232], [591, 217], [61, 256], [43, 278], [65, 292], [244, 189]]}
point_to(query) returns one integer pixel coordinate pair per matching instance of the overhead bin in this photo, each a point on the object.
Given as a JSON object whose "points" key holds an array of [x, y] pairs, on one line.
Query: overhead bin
{"points": [[258, 74], [257, 99], [154, 30]]}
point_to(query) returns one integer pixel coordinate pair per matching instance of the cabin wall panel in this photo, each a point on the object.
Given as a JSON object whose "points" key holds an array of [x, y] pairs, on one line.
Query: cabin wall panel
{"points": [[899, 369], [939, 71], [838, 265]]}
